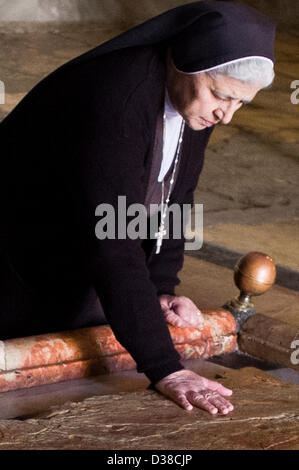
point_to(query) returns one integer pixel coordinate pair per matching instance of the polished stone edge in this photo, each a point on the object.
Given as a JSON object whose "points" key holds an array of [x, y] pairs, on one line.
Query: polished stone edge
{"points": [[50, 358], [270, 339], [226, 258]]}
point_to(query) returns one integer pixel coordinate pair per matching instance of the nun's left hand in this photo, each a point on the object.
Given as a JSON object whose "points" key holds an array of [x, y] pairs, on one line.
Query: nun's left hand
{"points": [[181, 311], [190, 390]]}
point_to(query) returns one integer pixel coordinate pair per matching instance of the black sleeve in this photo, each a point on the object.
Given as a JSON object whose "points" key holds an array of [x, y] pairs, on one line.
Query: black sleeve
{"points": [[112, 165]]}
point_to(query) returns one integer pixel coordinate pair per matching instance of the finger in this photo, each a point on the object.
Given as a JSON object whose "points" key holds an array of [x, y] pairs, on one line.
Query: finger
{"points": [[221, 407], [227, 392], [190, 315], [224, 406], [198, 400], [215, 386], [174, 319], [187, 320], [164, 306], [165, 301], [180, 399]]}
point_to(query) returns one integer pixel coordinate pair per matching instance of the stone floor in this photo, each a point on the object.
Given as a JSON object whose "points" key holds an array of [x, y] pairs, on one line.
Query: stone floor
{"points": [[27, 403], [209, 285], [249, 188], [265, 417]]}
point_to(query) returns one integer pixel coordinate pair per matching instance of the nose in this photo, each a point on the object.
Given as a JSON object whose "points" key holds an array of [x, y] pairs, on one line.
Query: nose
{"points": [[226, 111]]}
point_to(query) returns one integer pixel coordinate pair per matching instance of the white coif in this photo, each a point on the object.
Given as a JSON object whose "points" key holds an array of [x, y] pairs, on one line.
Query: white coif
{"points": [[173, 123]]}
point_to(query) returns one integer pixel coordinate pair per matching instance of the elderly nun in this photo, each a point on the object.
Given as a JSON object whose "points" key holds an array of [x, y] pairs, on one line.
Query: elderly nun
{"points": [[130, 118]]}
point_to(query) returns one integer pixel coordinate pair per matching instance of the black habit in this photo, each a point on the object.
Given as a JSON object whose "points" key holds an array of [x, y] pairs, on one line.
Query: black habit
{"points": [[84, 136]]}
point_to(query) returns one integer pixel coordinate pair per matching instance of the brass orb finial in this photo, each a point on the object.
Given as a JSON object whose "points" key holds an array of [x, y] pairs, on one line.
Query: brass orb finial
{"points": [[254, 274]]}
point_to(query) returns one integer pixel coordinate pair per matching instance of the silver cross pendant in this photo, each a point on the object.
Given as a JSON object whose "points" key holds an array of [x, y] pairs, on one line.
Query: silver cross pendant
{"points": [[159, 235]]}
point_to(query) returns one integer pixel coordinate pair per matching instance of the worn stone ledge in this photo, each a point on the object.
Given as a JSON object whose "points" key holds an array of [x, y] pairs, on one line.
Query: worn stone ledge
{"points": [[265, 417], [50, 358], [270, 339]]}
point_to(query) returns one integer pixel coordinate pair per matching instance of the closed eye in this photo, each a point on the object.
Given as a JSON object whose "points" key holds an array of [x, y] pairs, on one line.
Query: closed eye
{"points": [[219, 97], [228, 98]]}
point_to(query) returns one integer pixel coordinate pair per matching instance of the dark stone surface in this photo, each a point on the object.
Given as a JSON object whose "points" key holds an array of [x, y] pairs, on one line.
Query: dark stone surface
{"points": [[265, 417]]}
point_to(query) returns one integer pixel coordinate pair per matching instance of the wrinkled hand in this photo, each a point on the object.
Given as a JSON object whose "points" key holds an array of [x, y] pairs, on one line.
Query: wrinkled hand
{"points": [[180, 311], [188, 389]]}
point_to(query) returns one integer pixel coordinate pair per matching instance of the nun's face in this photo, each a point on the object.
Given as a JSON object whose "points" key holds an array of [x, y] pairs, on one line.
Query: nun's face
{"points": [[204, 101]]}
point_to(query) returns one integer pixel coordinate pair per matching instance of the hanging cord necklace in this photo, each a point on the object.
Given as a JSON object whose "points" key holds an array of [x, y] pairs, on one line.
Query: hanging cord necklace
{"points": [[164, 206]]}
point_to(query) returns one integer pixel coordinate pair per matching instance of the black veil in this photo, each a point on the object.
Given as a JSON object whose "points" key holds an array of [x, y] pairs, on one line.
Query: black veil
{"points": [[202, 35]]}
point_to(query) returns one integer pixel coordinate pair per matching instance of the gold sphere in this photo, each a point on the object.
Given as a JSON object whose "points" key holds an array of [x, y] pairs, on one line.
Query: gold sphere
{"points": [[255, 273]]}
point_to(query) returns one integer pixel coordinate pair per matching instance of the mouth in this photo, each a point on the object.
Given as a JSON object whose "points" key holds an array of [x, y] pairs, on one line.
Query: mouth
{"points": [[208, 123]]}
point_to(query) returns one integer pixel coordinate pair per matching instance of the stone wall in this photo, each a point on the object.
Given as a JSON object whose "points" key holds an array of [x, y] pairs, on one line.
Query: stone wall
{"points": [[108, 11], [129, 12], [284, 12]]}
